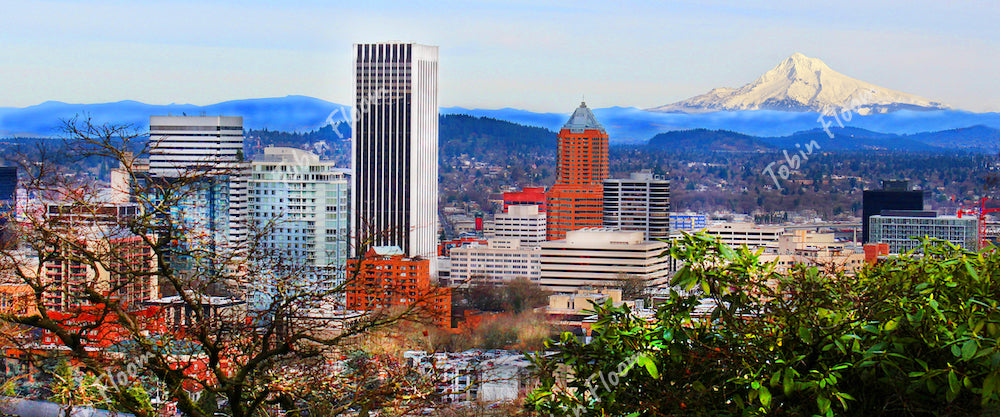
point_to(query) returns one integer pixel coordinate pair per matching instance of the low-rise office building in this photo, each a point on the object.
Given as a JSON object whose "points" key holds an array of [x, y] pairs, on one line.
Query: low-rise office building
{"points": [[601, 257], [901, 229], [501, 259], [748, 234]]}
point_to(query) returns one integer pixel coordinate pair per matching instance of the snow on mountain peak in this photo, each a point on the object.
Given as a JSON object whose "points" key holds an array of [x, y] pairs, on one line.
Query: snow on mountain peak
{"points": [[800, 83]]}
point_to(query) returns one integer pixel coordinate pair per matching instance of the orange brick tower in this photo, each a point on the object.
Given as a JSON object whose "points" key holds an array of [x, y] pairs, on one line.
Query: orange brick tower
{"points": [[576, 200]]}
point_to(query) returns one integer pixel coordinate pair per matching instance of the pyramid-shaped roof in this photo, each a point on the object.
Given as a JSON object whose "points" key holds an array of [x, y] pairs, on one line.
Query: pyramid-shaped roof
{"points": [[583, 119]]}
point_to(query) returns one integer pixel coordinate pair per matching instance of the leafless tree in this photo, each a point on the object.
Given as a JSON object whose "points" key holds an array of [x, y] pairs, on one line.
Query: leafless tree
{"points": [[254, 331], [633, 287]]}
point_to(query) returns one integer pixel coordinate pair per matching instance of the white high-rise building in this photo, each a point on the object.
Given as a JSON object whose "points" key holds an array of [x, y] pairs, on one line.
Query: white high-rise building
{"points": [[189, 144], [210, 147], [304, 201], [523, 222], [640, 202], [395, 148]]}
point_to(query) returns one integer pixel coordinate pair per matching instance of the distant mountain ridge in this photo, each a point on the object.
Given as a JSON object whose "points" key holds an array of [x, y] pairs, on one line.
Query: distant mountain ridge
{"points": [[710, 140], [803, 84], [634, 125], [975, 139], [470, 135], [624, 124], [290, 113]]}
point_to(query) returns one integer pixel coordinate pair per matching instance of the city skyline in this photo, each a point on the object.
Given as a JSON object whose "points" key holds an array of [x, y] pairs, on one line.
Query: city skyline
{"points": [[641, 55]]}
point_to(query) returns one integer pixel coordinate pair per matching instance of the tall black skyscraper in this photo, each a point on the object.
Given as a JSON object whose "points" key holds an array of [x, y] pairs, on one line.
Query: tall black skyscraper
{"points": [[894, 195]]}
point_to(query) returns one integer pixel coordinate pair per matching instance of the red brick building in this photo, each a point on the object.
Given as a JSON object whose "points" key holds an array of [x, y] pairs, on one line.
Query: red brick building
{"points": [[387, 279], [577, 199]]}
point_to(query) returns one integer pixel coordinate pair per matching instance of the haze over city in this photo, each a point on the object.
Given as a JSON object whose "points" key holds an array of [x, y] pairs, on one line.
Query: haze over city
{"points": [[531, 55]]}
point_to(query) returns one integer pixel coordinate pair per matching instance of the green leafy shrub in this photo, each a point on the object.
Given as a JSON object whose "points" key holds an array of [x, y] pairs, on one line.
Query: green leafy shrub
{"points": [[915, 335]]}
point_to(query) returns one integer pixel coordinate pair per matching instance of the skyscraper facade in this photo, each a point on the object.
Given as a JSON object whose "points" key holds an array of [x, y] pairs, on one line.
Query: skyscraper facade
{"points": [[395, 148], [182, 144], [640, 203], [211, 148], [576, 199]]}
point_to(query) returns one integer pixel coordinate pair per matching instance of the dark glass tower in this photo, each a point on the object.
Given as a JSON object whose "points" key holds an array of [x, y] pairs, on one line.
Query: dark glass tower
{"points": [[8, 202], [894, 195]]}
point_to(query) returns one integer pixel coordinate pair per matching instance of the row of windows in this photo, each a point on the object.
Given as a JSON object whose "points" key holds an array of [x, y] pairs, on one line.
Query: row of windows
{"points": [[194, 128], [489, 266], [486, 257]]}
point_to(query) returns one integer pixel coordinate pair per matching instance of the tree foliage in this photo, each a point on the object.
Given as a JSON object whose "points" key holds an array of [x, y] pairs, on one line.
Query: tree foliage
{"points": [[916, 335]]}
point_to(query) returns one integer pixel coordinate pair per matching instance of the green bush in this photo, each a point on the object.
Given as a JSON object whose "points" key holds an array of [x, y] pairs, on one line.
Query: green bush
{"points": [[914, 335]]}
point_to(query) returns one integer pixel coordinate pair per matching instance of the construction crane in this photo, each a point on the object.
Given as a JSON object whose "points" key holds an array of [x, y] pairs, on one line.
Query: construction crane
{"points": [[981, 211]]}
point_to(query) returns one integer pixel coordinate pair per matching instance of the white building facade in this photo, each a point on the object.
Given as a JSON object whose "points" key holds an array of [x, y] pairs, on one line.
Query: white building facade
{"points": [[502, 259], [746, 234], [182, 144], [523, 222], [305, 203], [209, 147], [900, 232], [602, 258]]}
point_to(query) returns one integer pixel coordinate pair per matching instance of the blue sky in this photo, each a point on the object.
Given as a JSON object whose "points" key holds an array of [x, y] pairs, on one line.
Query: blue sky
{"points": [[536, 55]]}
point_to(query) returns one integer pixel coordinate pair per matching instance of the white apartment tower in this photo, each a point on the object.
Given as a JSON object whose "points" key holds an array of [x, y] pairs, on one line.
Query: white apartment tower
{"points": [[395, 148], [182, 146], [304, 201], [639, 203]]}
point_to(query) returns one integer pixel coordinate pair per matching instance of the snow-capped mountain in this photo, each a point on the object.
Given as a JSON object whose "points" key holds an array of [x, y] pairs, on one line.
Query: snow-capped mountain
{"points": [[803, 84]]}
